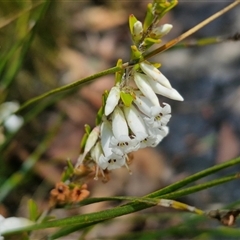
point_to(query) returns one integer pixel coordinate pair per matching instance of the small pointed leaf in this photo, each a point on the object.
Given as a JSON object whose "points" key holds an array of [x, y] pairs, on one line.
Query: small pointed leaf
{"points": [[132, 20], [119, 74], [127, 98], [149, 17], [33, 210]]}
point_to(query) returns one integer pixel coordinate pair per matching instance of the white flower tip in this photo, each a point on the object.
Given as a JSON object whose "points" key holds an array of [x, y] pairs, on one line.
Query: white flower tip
{"points": [[163, 80], [107, 110], [177, 96], [166, 28], [174, 95]]}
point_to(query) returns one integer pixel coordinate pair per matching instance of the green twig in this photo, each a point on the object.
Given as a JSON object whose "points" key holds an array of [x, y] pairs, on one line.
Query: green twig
{"points": [[207, 41], [67, 87]]}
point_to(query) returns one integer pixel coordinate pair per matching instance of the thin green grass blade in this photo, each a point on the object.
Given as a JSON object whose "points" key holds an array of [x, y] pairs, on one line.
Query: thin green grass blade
{"points": [[14, 180], [20, 53], [10, 19], [194, 177], [200, 187]]}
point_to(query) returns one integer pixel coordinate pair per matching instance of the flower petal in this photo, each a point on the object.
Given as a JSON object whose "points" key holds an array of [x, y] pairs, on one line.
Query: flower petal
{"points": [[124, 144], [134, 120], [142, 82], [114, 162], [106, 135], [112, 100], [137, 30], [155, 74], [119, 124], [166, 92], [92, 139], [162, 30]]}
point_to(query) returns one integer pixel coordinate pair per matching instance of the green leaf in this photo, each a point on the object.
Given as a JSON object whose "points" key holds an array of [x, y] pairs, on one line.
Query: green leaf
{"points": [[104, 99], [85, 136], [87, 129], [68, 172], [99, 115], [127, 98], [135, 54], [33, 210], [163, 6], [83, 141], [151, 40], [119, 74], [132, 20], [149, 17]]}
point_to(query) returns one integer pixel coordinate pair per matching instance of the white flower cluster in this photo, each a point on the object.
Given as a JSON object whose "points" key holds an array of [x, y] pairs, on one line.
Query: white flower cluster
{"points": [[125, 129], [133, 117]]}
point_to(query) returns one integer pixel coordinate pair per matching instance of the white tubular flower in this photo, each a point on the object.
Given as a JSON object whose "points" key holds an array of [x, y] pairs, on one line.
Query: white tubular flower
{"points": [[144, 104], [160, 133], [138, 127], [112, 100], [135, 120], [109, 160], [106, 135], [119, 124], [159, 116], [12, 223], [166, 92], [92, 139], [162, 30], [121, 143], [138, 29], [165, 114], [155, 74], [112, 162], [96, 153], [143, 84]]}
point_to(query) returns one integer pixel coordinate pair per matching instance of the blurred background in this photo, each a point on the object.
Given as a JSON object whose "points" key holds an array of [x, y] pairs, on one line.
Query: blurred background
{"points": [[44, 45]]}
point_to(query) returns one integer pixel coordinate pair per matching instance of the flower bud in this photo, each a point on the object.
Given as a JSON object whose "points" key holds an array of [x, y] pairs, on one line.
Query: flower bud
{"points": [[137, 30], [112, 100], [164, 29]]}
